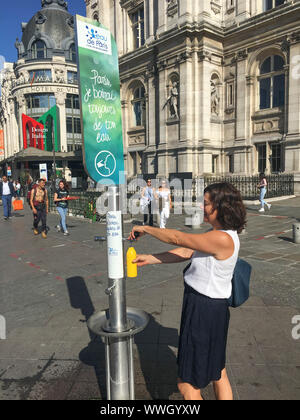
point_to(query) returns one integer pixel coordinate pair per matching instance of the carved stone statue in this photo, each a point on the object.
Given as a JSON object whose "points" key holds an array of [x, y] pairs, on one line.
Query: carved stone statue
{"points": [[172, 101], [215, 99], [59, 75], [60, 98]]}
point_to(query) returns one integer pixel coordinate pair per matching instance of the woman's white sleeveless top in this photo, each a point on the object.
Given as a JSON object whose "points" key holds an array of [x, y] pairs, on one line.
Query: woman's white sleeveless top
{"points": [[212, 277]]}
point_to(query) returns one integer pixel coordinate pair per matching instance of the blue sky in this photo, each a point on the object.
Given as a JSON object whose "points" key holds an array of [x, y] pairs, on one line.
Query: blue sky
{"points": [[14, 12]]}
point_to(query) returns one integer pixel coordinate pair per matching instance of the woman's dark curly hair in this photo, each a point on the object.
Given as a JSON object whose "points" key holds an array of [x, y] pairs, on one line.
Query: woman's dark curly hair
{"points": [[66, 185], [227, 200]]}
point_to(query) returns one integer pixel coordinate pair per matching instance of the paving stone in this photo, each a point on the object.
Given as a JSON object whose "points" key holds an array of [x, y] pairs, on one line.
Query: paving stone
{"points": [[49, 352]]}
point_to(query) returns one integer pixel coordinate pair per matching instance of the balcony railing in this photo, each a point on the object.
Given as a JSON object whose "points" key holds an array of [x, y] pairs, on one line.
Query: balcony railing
{"points": [[21, 82]]}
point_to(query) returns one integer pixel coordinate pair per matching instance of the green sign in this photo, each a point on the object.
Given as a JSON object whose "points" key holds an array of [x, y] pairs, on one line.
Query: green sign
{"points": [[99, 84], [50, 120]]}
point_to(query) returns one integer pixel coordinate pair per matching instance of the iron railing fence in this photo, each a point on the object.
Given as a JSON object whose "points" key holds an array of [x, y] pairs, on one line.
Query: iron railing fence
{"points": [[84, 206], [278, 186]]}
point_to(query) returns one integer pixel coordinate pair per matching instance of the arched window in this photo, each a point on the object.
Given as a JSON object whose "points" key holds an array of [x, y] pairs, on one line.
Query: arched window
{"points": [[272, 82], [270, 4], [139, 107], [72, 53], [38, 50]]}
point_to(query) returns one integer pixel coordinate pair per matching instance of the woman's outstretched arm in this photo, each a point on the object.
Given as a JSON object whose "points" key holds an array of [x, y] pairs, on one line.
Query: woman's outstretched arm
{"points": [[174, 256]]}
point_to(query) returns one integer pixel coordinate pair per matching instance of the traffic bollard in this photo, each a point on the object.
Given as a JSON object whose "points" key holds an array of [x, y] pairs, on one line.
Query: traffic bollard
{"points": [[296, 233]]}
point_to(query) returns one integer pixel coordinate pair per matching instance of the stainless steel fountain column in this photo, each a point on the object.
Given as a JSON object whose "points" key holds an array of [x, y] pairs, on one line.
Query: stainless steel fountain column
{"points": [[118, 347], [118, 324]]}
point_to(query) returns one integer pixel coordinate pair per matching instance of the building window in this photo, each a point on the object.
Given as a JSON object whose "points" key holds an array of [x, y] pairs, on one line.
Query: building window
{"points": [[38, 50], [262, 155], [139, 107], [40, 101], [37, 76], [137, 21], [73, 125], [72, 53], [72, 101], [214, 164], [72, 77], [276, 158], [272, 82], [136, 162], [270, 4], [230, 95], [77, 125], [72, 146], [231, 163]]}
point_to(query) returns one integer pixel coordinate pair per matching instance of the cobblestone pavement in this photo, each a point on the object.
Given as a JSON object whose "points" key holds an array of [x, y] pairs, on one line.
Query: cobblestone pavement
{"points": [[50, 287]]}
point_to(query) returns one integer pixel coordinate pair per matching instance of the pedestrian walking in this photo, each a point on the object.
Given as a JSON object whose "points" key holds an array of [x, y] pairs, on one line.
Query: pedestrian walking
{"points": [[207, 287], [164, 203], [7, 192], [263, 189], [60, 199], [40, 204], [147, 199], [17, 187]]}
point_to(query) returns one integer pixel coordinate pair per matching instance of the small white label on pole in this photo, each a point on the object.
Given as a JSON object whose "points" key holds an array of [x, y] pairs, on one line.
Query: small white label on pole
{"points": [[115, 245]]}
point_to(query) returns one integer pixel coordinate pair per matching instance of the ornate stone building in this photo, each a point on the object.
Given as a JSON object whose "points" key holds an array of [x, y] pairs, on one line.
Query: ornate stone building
{"points": [[44, 75], [208, 86]]}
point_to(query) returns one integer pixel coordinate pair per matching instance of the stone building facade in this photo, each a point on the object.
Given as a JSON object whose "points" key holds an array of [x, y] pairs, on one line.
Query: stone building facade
{"points": [[208, 87], [44, 75]]}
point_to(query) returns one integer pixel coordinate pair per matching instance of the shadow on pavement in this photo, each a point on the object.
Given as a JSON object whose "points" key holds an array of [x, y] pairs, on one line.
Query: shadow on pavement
{"points": [[17, 214], [94, 353], [285, 238], [158, 362]]}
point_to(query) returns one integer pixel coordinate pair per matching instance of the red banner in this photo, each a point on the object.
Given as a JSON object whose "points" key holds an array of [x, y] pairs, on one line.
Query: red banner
{"points": [[33, 133]]}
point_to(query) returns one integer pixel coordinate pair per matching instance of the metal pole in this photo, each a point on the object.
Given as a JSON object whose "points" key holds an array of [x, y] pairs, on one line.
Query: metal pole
{"points": [[118, 347], [54, 160], [131, 368], [118, 324], [107, 368]]}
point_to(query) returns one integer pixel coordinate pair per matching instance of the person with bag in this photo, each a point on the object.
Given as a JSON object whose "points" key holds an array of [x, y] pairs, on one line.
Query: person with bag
{"points": [[263, 189], [60, 199], [207, 288], [7, 192], [164, 203], [17, 186], [40, 205]]}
